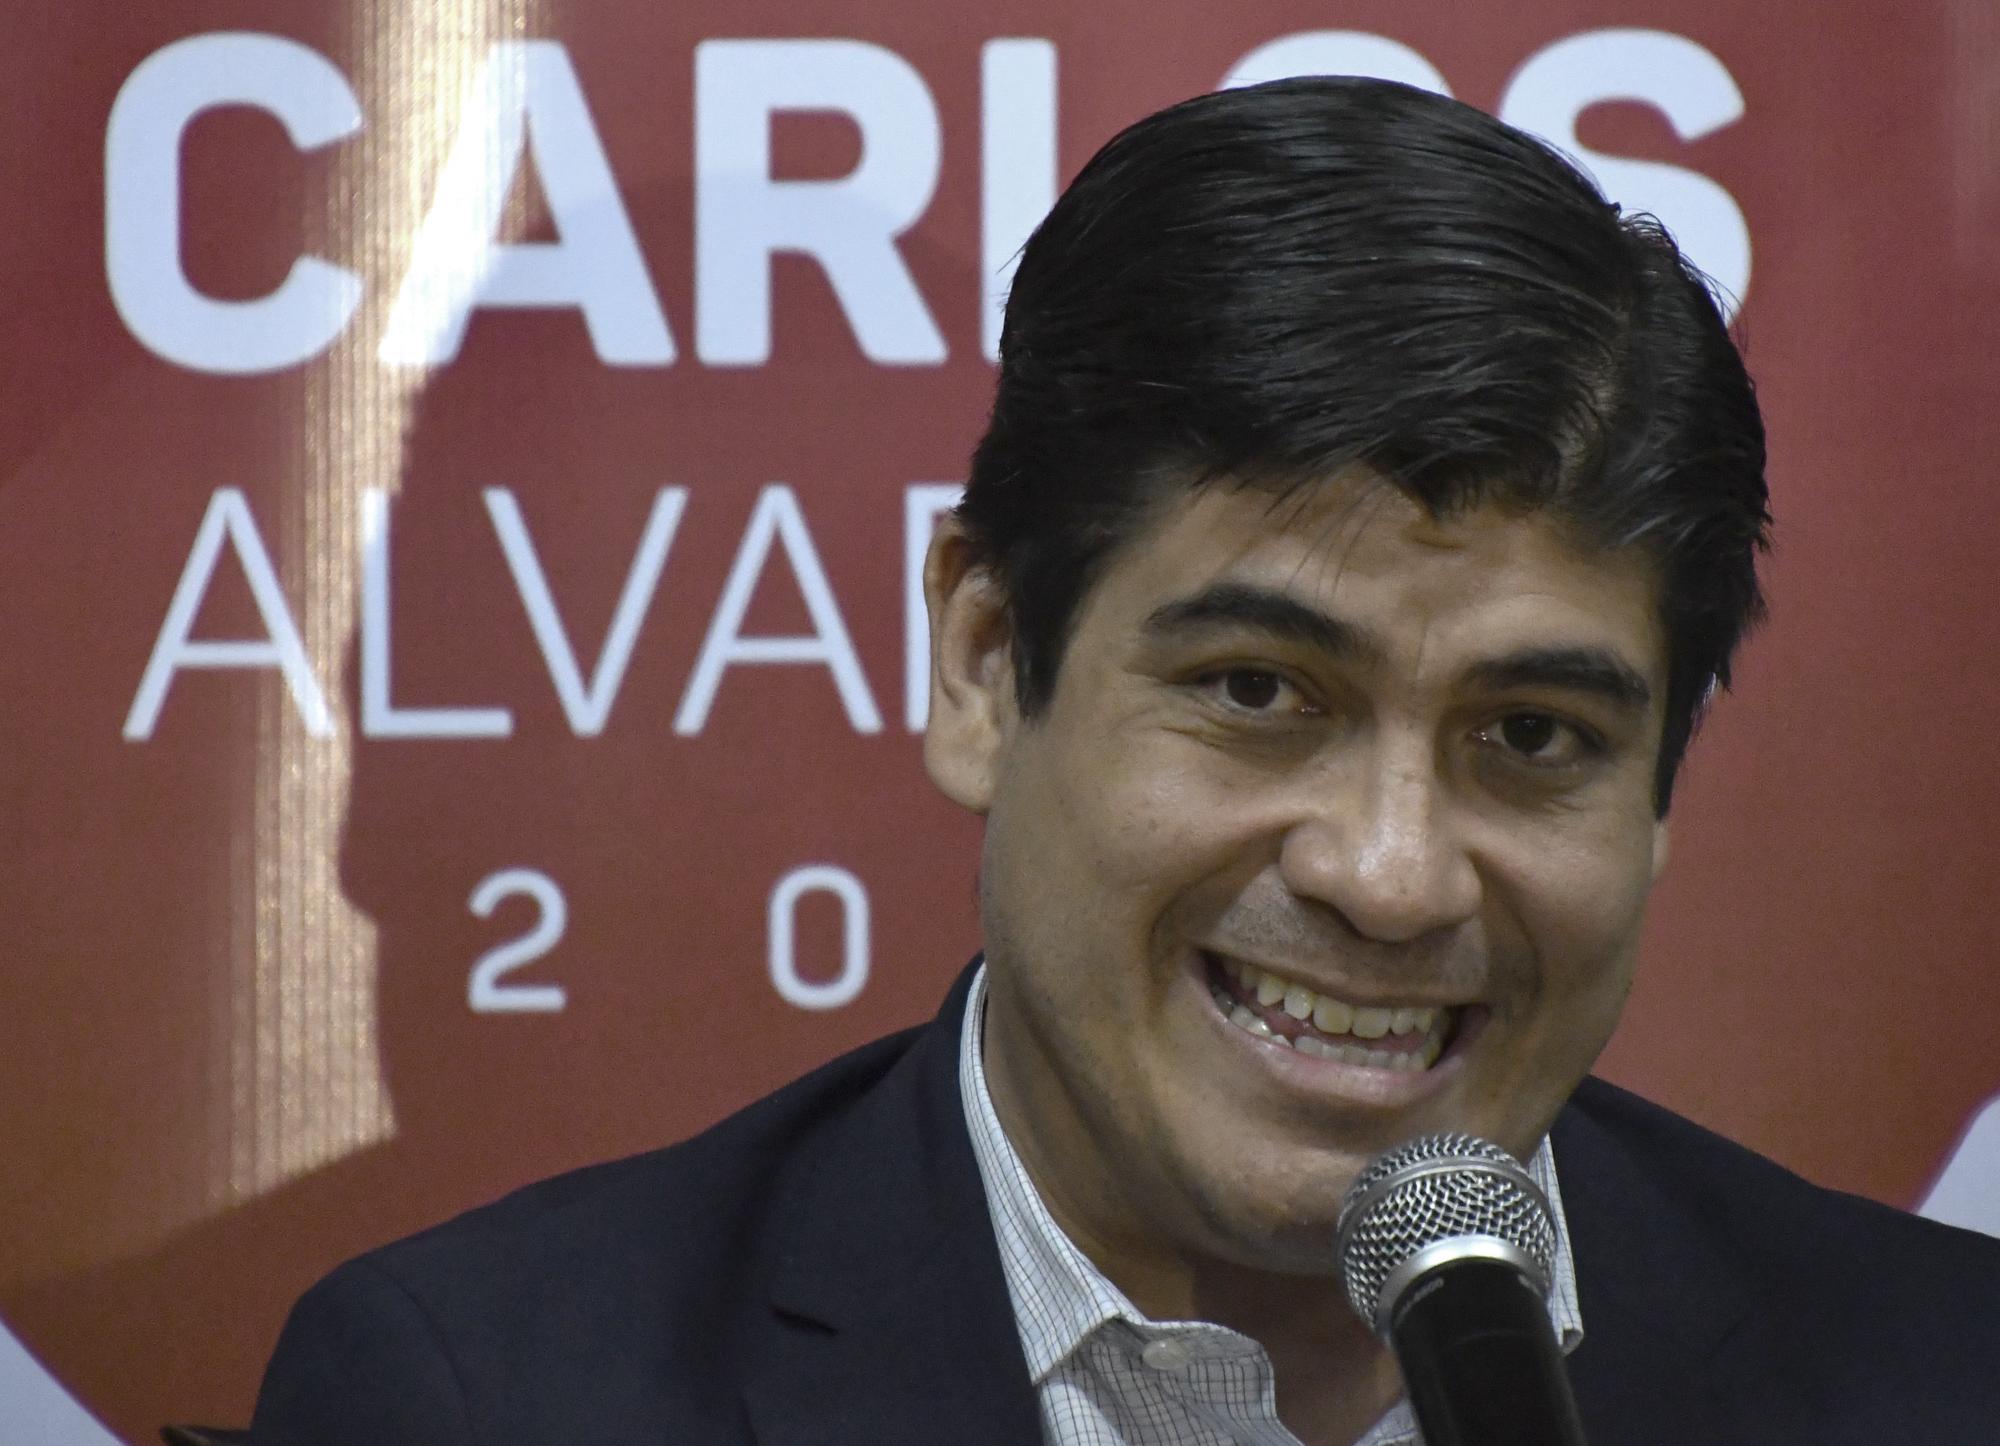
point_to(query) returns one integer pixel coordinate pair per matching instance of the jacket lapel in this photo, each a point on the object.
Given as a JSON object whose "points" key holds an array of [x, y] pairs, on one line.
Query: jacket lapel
{"points": [[890, 1321]]}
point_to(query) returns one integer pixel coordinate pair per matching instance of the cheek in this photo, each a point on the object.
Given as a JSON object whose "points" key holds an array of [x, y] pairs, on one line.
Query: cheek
{"points": [[1582, 912], [1077, 843], [1138, 817]]}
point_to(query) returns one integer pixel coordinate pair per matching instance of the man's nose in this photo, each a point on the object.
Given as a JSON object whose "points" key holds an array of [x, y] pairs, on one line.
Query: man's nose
{"points": [[1380, 842]]}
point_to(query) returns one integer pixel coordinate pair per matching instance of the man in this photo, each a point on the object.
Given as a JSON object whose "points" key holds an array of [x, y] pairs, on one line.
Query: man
{"points": [[1366, 515]]}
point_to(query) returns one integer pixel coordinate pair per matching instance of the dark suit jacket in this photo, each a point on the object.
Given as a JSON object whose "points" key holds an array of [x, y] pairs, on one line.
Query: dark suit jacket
{"points": [[820, 1269]]}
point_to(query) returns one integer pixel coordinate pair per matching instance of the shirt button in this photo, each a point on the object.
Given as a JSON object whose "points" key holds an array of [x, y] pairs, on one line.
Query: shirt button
{"points": [[1167, 1355]]}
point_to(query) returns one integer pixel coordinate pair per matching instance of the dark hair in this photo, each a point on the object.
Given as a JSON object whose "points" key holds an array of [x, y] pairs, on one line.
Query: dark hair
{"points": [[1273, 284]]}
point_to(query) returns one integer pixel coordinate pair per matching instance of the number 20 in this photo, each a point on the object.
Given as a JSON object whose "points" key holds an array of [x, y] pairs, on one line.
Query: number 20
{"points": [[488, 995]]}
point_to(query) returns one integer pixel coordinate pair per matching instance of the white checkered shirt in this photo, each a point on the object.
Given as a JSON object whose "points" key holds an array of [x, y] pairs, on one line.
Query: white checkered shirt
{"points": [[1106, 1375]]}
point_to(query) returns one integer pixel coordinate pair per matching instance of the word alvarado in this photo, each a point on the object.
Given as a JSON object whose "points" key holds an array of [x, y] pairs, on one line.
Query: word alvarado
{"points": [[776, 527]]}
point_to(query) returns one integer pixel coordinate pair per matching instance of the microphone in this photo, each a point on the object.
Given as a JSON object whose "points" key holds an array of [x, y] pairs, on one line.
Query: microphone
{"points": [[1447, 1247]]}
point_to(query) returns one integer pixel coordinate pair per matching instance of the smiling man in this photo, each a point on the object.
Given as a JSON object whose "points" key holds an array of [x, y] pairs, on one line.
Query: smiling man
{"points": [[1367, 512]]}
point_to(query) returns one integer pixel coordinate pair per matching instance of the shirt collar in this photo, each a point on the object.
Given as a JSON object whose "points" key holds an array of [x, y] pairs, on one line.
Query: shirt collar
{"points": [[1059, 1294]]}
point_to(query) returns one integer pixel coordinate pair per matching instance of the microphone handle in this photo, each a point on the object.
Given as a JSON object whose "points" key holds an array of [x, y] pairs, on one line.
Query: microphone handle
{"points": [[1479, 1360]]}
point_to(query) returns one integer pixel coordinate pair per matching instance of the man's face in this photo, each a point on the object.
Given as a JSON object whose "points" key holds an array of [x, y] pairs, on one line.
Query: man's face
{"points": [[1325, 757]]}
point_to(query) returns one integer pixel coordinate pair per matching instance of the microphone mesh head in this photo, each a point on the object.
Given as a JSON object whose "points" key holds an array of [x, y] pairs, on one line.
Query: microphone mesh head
{"points": [[1433, 1188]]}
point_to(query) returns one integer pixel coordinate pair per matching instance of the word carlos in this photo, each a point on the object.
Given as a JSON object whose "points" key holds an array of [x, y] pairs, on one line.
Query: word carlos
{"points": [[525, 107]]}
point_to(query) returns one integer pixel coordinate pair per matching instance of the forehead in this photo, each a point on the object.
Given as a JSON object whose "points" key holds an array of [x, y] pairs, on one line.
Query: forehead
{"points": [[1365, 554]]}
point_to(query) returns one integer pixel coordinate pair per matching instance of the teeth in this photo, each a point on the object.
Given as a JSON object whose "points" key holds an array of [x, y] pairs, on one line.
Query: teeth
{"points": [[1399, 1060], [1243, 1018], [1333, 1017], [1371, 1023]]}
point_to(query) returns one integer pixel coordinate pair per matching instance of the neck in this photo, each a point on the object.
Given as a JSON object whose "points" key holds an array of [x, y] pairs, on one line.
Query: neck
{"points": [[1334, 1380]]}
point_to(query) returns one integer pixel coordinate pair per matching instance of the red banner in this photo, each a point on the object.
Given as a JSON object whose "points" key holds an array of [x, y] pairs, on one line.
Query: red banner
{"points": [[462, 474]]}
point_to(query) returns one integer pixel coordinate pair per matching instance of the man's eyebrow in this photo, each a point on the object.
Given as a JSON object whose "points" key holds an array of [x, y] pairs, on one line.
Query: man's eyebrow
{"points": [[1268, 611], [1582, 670], [1592, 670]]}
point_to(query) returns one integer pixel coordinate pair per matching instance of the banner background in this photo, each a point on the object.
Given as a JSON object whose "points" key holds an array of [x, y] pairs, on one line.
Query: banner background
{"points": [[239, 954]]}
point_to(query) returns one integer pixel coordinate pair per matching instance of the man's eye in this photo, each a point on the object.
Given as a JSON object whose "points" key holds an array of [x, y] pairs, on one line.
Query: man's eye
{"points": [[1528, 732], [1539, 738], [1255, 690]]}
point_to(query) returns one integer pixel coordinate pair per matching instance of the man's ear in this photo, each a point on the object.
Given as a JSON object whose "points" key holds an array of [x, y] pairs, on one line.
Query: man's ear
{"points": [[1659, 848], [972, 670]]}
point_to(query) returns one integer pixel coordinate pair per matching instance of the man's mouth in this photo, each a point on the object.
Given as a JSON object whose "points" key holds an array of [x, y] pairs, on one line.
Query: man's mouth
{"points": [[1285, 1012]]}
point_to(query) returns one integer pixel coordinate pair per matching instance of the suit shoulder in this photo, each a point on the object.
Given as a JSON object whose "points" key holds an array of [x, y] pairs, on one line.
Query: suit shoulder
{"points": [[1767, 1221], [1727, 1296], [571, 1308], [680, 1225], [707, 1184]]}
